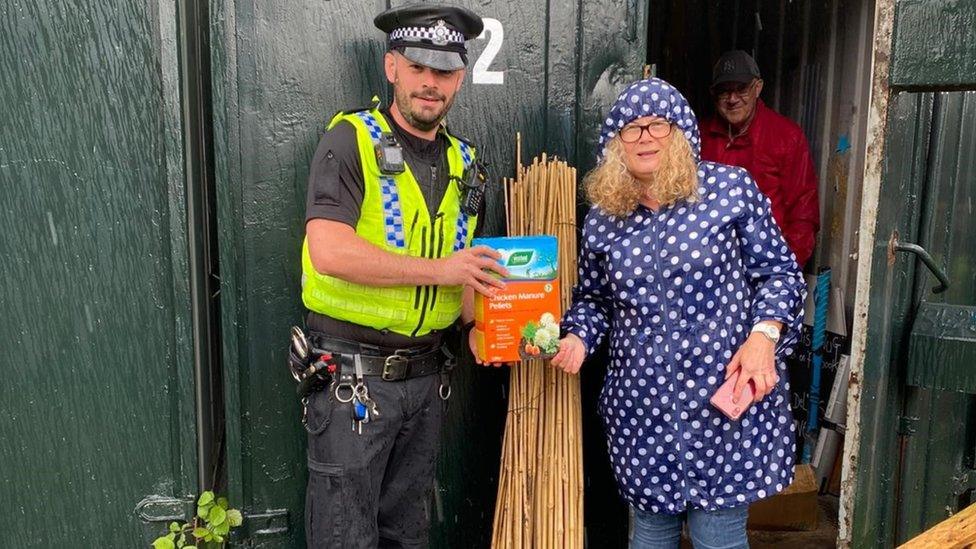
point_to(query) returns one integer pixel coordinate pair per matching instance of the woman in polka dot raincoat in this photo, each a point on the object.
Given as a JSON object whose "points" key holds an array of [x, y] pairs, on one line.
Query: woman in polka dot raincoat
{"points": [[686, 275]]}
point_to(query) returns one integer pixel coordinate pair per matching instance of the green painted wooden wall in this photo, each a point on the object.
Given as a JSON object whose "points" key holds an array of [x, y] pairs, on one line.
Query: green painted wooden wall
{"points": [[96, 407]]}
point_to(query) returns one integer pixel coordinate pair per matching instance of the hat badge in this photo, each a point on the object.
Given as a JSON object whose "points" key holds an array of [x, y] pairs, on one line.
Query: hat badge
{"points": [[440, 33]]}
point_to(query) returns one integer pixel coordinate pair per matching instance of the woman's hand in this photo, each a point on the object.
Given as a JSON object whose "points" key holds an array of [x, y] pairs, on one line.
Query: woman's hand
{"points": [[571, 353], [757, 361]]}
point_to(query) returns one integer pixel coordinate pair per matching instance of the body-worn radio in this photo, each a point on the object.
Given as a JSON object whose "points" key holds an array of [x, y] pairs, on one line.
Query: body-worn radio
{"points": [[389, 155], [472, 186]]}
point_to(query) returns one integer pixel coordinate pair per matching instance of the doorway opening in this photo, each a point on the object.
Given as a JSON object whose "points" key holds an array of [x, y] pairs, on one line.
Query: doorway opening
{"points": [[815, 62]]}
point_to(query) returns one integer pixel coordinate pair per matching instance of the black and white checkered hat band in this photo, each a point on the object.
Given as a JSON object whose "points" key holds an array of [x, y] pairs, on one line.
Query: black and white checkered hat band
{"points": [[435, 35]]}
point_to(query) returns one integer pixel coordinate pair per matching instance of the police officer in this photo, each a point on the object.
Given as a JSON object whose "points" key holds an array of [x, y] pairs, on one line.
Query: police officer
{"points": [[385, 263]]}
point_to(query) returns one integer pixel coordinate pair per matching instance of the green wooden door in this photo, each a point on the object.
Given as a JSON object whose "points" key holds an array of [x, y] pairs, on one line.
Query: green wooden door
{"points": [[938, 429], [96, 407], [917, 426], [281, 70]]}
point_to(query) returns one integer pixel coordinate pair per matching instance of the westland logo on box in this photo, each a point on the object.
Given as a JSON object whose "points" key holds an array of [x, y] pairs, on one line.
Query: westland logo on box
{"points": [[519, 258], [521, 321]]}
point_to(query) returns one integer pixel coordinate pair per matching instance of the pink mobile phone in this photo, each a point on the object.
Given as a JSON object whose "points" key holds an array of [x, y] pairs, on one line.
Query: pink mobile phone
{"points": [[722, 399]]}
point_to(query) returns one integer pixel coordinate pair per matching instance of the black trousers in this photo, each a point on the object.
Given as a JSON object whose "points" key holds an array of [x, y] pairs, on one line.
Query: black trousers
{"points": [[371, 490]]}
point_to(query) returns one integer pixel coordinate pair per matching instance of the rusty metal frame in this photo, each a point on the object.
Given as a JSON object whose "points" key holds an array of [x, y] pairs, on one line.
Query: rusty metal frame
{"points": [[884, 17]]}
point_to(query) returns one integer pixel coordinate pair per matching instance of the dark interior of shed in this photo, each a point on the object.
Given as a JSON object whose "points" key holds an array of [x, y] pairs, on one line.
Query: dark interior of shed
{"points": [[798, 46]]}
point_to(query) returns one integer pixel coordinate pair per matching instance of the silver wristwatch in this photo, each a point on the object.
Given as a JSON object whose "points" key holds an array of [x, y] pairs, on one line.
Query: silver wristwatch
{"points": [[768, 330]]}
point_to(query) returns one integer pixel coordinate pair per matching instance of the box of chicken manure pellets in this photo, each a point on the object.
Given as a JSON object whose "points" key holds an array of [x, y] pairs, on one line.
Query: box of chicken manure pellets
{"points": [[522, 320]]}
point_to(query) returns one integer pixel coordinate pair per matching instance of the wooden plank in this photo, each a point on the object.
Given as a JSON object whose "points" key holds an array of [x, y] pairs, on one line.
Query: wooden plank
{"points": [[956, 532], [935, 43]]}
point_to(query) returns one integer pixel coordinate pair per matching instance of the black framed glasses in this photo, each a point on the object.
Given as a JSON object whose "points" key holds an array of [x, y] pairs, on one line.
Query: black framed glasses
{"points": [[632, 133], [738, 90]]}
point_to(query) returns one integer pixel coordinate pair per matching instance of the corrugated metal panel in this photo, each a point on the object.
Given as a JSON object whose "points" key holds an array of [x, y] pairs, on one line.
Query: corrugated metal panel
{"points": [[97, 393], [829, 100], [843, 148]]}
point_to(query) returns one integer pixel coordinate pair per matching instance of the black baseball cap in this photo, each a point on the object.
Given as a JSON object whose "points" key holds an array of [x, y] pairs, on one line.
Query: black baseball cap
{"points": [[734, 66], [432, 35]]}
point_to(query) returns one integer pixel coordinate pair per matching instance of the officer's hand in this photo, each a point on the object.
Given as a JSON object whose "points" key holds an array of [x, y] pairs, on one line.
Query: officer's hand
{"points": [[571, 353], [475, 267], [473, 345]]}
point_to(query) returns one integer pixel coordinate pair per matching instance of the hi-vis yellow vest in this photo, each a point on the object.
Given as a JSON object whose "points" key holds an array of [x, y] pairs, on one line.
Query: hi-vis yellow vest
{"points": [[394, 217]]}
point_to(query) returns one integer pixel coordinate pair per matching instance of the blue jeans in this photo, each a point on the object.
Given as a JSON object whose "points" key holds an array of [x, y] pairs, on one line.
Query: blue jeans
{"points": [[722, 529]]}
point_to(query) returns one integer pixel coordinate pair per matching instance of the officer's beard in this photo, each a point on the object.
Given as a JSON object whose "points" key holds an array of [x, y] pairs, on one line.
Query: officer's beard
{"points": [[423, 121]]}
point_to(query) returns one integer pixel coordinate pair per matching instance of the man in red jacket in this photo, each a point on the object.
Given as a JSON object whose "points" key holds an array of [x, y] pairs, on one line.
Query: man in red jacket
{"points": [[747, 133]]}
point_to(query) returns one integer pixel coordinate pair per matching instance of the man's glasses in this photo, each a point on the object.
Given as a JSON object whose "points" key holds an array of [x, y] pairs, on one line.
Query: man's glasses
{"points": [[633, 132], [739, 90]]}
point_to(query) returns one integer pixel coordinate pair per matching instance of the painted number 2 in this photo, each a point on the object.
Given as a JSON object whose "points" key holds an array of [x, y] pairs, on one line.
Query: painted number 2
{"points": [[496, 34]]}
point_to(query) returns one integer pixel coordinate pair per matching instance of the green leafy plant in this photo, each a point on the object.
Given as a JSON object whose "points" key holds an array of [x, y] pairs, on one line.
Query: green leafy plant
{"points": [[209, 528], [528, 331]]}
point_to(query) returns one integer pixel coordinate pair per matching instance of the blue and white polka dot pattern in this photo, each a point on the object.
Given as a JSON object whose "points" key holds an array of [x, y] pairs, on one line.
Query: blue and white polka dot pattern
{"points": [[392, 213], [677, 292], [651, 97]]}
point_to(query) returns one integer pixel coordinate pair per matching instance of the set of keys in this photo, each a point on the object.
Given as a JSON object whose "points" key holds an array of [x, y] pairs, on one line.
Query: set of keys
{"points": [[363, 407]]}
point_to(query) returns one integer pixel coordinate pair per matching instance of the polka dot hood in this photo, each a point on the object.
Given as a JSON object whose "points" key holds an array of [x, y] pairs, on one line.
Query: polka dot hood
{"points": [[651, 97]]}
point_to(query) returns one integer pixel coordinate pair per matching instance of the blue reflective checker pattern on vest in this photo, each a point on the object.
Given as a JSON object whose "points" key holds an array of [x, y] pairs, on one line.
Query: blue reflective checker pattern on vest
{"points": [[392, 214], [461, 230]]}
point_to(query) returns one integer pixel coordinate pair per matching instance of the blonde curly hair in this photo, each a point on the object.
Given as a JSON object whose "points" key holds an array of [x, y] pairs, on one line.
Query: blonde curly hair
{"points": [[612, 188]]}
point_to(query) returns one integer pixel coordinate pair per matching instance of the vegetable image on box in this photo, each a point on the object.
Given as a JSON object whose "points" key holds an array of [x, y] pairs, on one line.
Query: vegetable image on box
{"points": [[540, 338], [540, 484]]}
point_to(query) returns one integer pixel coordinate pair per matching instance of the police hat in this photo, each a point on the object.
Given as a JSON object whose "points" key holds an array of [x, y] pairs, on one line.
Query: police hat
{"points": [[432, 35]]}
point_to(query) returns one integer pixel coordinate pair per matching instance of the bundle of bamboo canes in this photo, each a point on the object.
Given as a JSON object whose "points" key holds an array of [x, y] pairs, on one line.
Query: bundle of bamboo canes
{"points": [[540, 484]]}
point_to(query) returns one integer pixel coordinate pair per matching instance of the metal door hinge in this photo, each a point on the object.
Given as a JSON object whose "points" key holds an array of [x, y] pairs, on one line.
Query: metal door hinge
{"points": [[265, 523], [907, 425]]}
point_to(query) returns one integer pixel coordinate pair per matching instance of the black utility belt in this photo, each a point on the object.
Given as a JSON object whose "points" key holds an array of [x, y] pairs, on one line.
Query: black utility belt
{"points": [[393, 365]]}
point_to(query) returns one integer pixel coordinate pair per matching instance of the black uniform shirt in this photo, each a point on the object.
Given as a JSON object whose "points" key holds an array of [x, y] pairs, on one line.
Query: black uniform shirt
{"points": [[335, 192]]}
